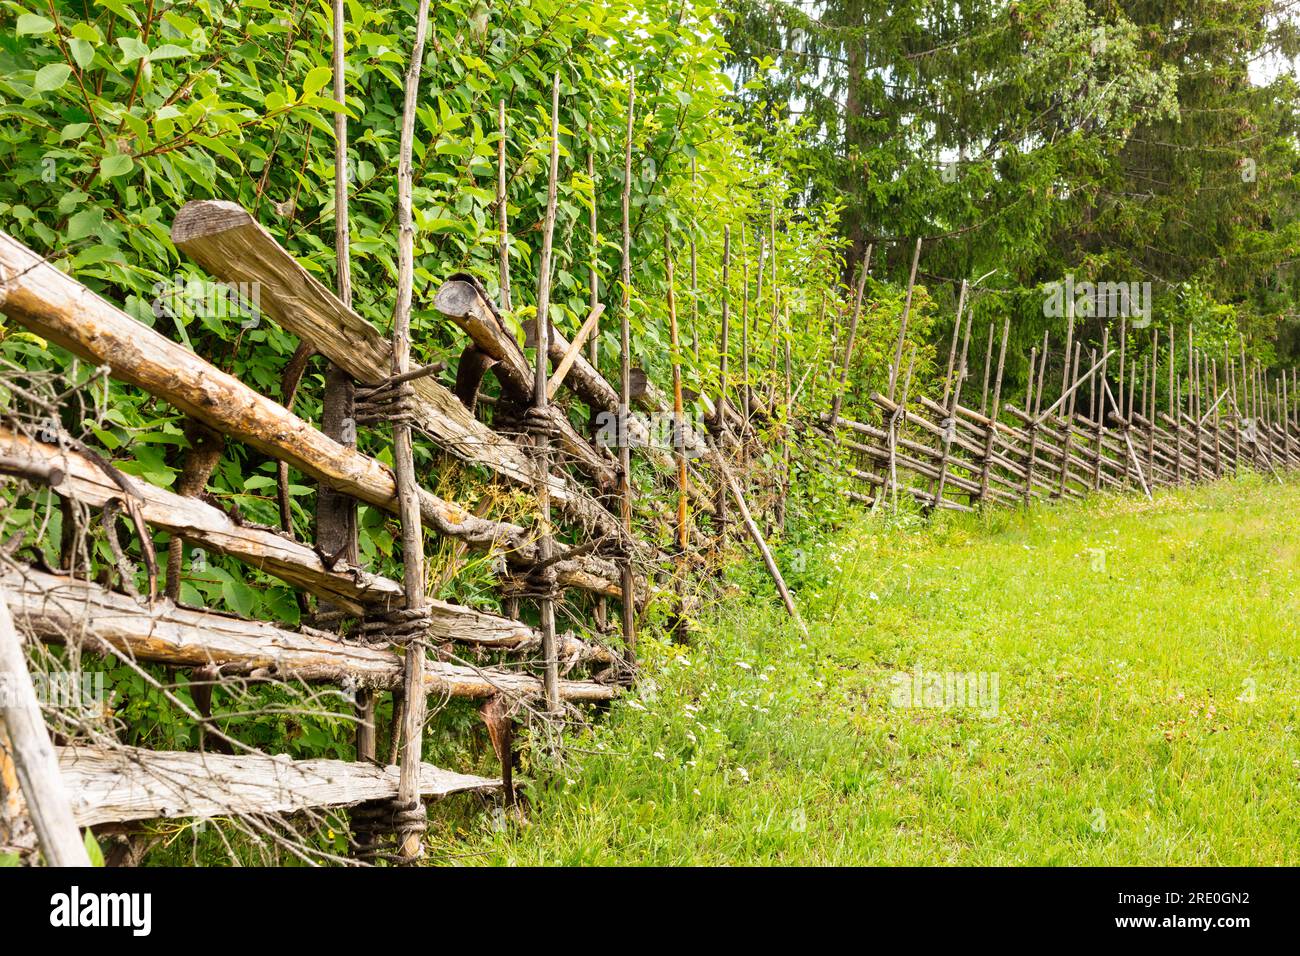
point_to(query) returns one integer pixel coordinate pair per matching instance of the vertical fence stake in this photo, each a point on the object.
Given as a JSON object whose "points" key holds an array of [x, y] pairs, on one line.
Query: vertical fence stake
{"points": [[679, 451], [593, 279], [409, 829], [724, 348], [541, 402], [627, 581], [1066, 440], [503, 212], [954, 390], [838, 399], [902, 325], [987, 463], [1030, 454]]}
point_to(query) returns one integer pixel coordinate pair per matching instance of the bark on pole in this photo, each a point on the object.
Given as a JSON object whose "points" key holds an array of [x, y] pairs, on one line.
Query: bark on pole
{"points": [[746, 400], [757, 537], [1031, 454], [724, 347], [679, 448], [503, 211], [988, 367], [987, 462], [33, 755], [545, 604], [336, 514], [1173, 409], [785, 426], [625, 383], [838, 400], [593, 270], [1064, 471], [58, 609], [902, 326], [952, 390], [695, 278], [409, 829]]}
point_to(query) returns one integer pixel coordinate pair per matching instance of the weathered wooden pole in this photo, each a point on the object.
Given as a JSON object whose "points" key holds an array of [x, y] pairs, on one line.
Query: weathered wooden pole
{"points": [[1174, 410], [1119, 390], [776, 287], [695, 283], [1152, 401], [988, 367], [1193, 400], [1100, 423], [838, 399], [724, 349], [785, 425], [503, 211], [1068, 427], [679, 450], [896, 421], [32, 754], [593, 277], [625, 383], [991, 433], [902, 326], [545, 541], [336, 514], [1042, 374], [952, 389], [1230, 370], [756, 536], [746, 400], [410, 816], [1218, 437], [1032, 446]]}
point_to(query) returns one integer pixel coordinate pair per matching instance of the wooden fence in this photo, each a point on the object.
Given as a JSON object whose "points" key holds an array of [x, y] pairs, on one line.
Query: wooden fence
{"points": [[940, 452], [117, 784], [1219, 418]]}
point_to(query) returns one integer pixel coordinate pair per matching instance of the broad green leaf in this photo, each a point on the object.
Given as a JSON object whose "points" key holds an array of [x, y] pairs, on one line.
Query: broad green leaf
{"points": [[132, 49], [52, 77], [85, 223], [118, 164], [316, 80], [82, 51], [32, 24], [168, 51]]}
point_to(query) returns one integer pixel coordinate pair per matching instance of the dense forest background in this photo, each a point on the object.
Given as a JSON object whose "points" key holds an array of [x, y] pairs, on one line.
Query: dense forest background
{"points": [[1115, 140]]}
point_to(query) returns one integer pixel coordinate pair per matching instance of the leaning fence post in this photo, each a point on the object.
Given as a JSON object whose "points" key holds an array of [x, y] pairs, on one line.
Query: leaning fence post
{"points": [[33, 755]]}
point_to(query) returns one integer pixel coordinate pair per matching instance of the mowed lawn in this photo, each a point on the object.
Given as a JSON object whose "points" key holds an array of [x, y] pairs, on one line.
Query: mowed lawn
{"points": [[1147, 674]]}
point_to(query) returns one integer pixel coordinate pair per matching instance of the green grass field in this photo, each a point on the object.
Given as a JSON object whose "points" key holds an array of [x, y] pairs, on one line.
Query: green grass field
{"points": [[1147, 668]]}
